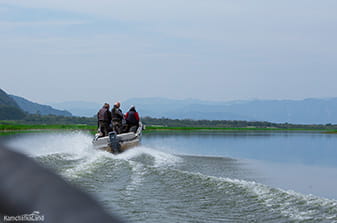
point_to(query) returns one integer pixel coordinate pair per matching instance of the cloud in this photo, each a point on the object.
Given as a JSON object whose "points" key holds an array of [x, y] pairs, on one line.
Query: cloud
{"points": [[43, 23], [213, 20], [134, 10], [237, 48]]}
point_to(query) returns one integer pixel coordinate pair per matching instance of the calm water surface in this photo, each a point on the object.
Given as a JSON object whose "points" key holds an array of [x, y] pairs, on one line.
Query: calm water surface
{"points": [[200, 176], [303, 161]]}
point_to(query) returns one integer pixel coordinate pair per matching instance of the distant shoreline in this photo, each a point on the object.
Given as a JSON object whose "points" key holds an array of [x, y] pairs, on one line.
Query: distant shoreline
{"points": [[4, 127], [91, 128], [216, 129]]}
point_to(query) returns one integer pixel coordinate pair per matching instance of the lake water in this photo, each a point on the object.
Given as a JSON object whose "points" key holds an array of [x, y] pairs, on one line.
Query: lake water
{"points": [[200, 176]]}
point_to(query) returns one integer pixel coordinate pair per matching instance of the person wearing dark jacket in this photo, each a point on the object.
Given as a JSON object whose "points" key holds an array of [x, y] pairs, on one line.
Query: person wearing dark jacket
{"points": [[104, 119], [132, 119], [117, 118]]}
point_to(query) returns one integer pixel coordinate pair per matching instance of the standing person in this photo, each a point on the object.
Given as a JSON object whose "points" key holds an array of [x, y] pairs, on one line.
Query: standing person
{"points": [[117, 118], [104, 119], [132, 119]]}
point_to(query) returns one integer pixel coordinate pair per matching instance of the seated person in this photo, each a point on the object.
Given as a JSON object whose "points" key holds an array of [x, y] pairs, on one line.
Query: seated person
{"points": [[117, 118], [104, 119], [132, 120]]}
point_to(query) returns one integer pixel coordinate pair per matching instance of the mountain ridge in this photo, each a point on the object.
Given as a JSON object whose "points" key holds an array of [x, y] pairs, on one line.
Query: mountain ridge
{"points": [[306, 111], [15, 108], [36, 108], [9, 109]]}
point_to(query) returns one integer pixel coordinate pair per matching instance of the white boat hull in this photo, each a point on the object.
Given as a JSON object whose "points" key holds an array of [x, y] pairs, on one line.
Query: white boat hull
{"points": [[117, 143]]}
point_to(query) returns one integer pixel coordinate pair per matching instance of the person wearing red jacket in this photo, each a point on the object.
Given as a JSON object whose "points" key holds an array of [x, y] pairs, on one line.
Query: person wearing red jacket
{"points": [[132, 119]]}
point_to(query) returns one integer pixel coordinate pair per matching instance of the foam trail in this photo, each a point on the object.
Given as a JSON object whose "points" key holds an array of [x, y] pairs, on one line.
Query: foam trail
{"points": [[78, 144], [137, 177], [160, 158], [75, 146], [40, 144], [279, 200]]}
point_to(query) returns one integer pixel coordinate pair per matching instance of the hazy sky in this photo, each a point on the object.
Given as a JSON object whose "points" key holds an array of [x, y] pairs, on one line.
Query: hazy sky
{"points": [[106, 50]]}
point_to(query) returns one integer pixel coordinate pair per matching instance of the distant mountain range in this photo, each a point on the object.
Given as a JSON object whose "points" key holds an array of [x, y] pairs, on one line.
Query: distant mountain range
{"points": [[35, 108], [307, 111], [79, 108], [9, 109], [13, 107]]}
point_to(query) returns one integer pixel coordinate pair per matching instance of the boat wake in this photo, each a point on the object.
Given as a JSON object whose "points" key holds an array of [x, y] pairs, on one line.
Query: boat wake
{"points": [[181, 187]]}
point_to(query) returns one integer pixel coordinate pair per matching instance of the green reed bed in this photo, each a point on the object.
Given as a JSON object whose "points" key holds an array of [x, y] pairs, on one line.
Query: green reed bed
{"points": [[16, 127], [166, 128], [6, 127]]}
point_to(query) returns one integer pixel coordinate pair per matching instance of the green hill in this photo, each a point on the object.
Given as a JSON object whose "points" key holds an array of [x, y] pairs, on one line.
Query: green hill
{"points": [[9, 110], [5, 99], [35, 108]]}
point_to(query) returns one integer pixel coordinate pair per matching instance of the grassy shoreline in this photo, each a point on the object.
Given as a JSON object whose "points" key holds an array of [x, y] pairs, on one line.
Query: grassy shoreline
{"points": [[17, 127], [219, 129], [23, 128]]}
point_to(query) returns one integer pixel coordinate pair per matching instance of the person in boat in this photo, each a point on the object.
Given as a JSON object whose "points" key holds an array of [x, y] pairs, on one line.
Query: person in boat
{"points": [[117, 118], [104, 119], [132, 120]]}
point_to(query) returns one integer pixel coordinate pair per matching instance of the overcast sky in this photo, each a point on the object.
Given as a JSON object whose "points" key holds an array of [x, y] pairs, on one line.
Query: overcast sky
{"points": [[106, 50]]}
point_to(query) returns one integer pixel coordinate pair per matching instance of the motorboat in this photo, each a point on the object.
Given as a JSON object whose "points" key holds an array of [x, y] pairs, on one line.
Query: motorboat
{"points": [[118, 143]]}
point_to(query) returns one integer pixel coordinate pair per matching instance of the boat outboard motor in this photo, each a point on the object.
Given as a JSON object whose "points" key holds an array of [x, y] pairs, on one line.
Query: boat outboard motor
{"points": [[114, 142]]}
